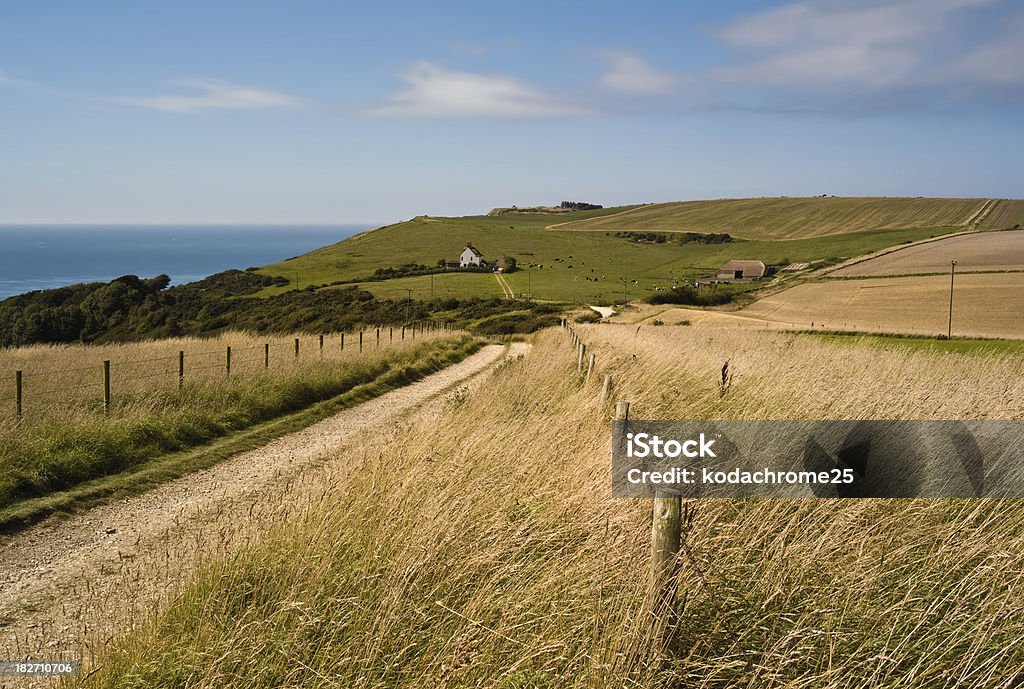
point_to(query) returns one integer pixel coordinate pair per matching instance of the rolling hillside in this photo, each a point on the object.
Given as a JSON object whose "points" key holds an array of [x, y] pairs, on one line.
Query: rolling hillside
{"points": [[786, 218], [561, 262], [1007, 213]]}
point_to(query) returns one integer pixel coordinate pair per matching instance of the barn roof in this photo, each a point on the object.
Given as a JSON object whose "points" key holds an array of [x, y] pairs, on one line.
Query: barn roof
{"points": [[751, 269]]}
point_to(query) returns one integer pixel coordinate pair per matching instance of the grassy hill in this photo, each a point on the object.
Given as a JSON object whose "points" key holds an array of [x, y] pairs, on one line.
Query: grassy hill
{"points": [[582, 259], [786, 218]]}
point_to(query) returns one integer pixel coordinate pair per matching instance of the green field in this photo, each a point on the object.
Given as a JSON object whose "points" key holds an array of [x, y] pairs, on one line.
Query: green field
{"points": [[564, 265], [928, 344], [786, 218]]}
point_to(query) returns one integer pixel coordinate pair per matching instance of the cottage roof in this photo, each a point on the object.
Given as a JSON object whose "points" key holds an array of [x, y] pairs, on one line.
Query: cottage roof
{"points": [[473, 249]]}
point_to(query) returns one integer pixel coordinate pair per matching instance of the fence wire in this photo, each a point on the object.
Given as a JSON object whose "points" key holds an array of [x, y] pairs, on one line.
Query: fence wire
{"points": [[86, 386]]}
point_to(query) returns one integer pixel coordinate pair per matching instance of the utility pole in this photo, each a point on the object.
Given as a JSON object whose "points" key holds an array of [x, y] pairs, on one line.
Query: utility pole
{"points": [[408, 304], [952, 273]]}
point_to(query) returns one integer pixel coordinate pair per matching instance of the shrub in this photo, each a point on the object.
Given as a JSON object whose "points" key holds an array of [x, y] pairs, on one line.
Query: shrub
{"points": [[688, 296]]}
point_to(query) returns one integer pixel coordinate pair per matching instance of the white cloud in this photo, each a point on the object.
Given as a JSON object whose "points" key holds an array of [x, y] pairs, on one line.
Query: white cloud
{"points": [[823, 65], [435, 92], [875, 44], [998, 62], [214, 94], [628, 73]]}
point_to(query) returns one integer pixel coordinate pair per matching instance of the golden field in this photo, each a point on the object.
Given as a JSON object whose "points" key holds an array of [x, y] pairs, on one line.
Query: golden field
{"points": [[982, 251], [984, 305], [787, 218]]}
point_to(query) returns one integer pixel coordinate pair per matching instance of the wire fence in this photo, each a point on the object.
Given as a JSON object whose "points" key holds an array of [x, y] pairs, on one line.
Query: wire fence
{"points": [[34, 381]]}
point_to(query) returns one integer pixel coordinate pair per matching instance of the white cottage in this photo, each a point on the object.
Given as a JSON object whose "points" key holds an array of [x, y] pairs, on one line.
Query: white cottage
{"points": [[470, 257]]}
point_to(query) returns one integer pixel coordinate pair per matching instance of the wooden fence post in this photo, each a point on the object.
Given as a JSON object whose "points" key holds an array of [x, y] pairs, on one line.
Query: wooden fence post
{"points": [[403, 332], [321, 345], [391, 333], [181, 369], [296, 348], [579, 357], [666, 530], [606, 390], [414, 330], [17, 388], [227, 361], [106, 387], [590, 366], [378, 338], [343, 342], [360, 340], [266, 355]]}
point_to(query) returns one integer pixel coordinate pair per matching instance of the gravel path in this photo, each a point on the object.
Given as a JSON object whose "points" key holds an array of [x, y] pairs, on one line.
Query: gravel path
{"points": [[67, 588]]}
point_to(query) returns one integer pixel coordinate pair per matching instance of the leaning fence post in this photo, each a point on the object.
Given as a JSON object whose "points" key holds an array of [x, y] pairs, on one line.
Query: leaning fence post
{"points": [[17, 388], [360, 340], [227, 361], [266, 355], [296, 348], [403, 332], [321, 345], [590, 366], [606, 390], [579, 357], [378, 338], [391, 333], [106, 387], [343, 342]]}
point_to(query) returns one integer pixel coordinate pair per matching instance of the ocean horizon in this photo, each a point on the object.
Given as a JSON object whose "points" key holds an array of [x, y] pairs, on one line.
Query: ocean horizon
{"points": [[37, 257]]}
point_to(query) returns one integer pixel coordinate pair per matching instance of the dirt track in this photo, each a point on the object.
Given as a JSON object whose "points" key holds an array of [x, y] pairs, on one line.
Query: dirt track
{"points": [[67, 588]]}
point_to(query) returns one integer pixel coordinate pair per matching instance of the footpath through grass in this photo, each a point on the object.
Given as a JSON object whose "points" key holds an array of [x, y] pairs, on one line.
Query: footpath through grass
{"points": [[48, 467]]}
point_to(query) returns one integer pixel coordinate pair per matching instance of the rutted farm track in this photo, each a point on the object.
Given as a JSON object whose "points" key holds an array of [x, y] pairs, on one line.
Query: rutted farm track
{"points": [[66, 589]]}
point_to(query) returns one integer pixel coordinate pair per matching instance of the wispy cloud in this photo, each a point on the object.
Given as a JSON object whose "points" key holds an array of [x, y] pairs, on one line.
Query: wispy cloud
{"points": [[213, 94], [435, 92], [999, 62], [822, 42], [629, 74], [839, 54]]}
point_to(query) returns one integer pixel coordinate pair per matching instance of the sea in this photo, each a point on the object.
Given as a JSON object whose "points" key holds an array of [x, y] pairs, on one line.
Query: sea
{"points": [[34, 257]]}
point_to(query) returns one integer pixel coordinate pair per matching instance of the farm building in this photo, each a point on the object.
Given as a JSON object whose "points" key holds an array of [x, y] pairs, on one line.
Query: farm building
{"points": [[471, 258], [740, 270]]}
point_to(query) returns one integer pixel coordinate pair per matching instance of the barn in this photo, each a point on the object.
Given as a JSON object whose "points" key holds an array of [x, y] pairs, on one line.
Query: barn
{"points": [[734, 271]]}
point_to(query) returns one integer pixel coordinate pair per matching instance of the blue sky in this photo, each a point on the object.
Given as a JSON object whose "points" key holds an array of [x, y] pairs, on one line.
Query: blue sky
{"points": [[343, 112]]}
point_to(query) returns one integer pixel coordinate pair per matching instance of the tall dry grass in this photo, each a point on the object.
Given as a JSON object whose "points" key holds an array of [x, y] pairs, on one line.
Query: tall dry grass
{"points": [[65, 438], [479, 545]]}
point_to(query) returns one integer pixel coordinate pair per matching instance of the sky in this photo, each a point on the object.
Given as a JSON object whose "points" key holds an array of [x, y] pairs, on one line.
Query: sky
{"points": [[344, 112]]}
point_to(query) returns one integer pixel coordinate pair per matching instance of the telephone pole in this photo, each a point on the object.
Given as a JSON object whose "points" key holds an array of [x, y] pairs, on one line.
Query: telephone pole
{"points": [[952, 273]]}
